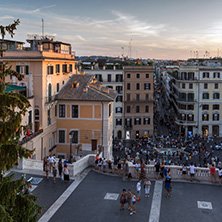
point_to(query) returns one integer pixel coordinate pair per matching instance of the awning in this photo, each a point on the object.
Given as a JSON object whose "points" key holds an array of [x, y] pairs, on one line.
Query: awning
{"points": [[11, 88]]}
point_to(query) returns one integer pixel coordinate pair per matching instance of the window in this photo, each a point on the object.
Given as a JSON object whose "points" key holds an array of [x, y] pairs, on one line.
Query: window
{"points": [[190, 107], [119, 89], [62, 110], [190, 97], [64, 68], [146, 97], [146, 121], [128, 109], [183, 85], [111, 87], [182, 96], [75, 111], [119, 78], [147, 75], [57, 68], [109, 78], [128, 122], [146, 86], [205, 117], [49, 92], [128, 97], [137, 109], [30, 119], [128, 75], [190, 75], [55, 110], [205, 107], [57, 87], [137, 86], [137, 75], [119, 98], [146, 109], [137, 97], [206, 74], [190, 85], [216, 86], [110, 109], [183, 116], [49, 70], [36, 114], [216, 96], [61, 136], [182, 106], [75, 137], [183, 75], [205, 95], [49, 117], [215, 117], [190, 117], [99, 77], [70, 67], [128, 86], [119, 122], [137, 121], [23, 69], [118, 109], [216, 106], [216, 75], [205, 86]]}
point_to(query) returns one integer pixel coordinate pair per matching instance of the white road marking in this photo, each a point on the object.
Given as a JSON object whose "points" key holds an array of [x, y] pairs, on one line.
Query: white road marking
{"points": [[204, 205], [58, 203], [111, 196], [156, 202]]}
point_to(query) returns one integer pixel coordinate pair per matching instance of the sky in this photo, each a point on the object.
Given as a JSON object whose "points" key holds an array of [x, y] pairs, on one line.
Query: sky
{"points": [[159, 29]]}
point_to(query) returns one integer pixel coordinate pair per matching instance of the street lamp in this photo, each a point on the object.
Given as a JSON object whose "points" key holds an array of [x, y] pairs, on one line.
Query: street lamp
{"points": [[71, 134]]}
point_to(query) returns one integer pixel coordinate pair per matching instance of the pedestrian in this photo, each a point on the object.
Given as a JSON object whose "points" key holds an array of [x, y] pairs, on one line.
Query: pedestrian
{"points": [[96, 161], [66, 173], [51, 162], [129, 199], [44, 163], [157, 166], [213, 173], [123, 199], [119, 166], [138, 189], [142, 171], [147, 185], [137, 168], [168, 186], [115, 162], [125, 167], [133, 211], [192, 171], [104, 165], [100, 162], [54, 171], [184, 171], [60, 167], [47, 170], [110, 166]]}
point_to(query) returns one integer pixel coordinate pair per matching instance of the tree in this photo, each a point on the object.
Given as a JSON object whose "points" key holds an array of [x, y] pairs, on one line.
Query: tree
{"points": [[14, 205]]}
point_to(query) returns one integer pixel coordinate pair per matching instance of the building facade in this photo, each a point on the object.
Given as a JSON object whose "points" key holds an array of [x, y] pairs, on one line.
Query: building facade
{"points": [[195, 92], [138, 101]]}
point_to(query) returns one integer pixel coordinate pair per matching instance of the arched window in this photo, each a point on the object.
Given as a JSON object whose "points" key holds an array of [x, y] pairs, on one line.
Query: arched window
{"points": [[36, 114]]}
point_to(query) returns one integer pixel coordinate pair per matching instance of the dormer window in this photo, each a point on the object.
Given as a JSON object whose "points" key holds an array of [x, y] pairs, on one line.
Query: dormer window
{"points": [[75, 84]]}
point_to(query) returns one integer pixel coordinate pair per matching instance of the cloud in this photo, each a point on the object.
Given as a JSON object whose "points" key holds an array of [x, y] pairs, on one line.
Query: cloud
{"points": [[6, 17]]}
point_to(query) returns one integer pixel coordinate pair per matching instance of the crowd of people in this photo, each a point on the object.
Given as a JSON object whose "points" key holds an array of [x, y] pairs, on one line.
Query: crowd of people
{"points": [[50, 166]]}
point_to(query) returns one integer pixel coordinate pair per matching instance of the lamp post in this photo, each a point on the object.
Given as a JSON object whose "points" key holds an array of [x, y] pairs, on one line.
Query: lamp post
{"points": [[71, 134]]}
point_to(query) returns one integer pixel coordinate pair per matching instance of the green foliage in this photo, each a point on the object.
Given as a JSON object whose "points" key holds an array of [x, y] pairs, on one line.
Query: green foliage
{"points": [[14, 206]]}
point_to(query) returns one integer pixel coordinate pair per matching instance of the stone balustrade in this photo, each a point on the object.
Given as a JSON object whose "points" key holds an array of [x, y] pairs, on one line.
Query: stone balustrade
{"points": [[201, 174]]}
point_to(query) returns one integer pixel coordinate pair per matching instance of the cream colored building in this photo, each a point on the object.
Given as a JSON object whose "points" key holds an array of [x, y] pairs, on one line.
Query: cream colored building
{"points": [[47, 66], [195, 92]]}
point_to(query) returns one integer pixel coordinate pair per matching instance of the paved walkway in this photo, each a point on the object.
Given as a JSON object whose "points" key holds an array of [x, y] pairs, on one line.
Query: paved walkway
{"points": [[94, 196]]}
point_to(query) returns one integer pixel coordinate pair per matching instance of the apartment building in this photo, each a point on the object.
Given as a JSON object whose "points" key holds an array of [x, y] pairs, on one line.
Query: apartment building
{"points": [[84, 110], [138, 101], [47, 65], [195, 92], [110, 73]]}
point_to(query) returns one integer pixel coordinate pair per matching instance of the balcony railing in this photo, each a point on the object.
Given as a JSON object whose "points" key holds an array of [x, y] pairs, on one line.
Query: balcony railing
{"points": [[28, 138]]}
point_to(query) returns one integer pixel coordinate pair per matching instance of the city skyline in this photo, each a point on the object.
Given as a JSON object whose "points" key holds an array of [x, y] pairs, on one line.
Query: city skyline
{"points": [[160, 29]]}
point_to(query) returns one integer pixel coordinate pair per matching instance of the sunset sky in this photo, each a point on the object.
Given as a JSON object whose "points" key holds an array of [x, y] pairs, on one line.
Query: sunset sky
{"points": [[161, 29]]}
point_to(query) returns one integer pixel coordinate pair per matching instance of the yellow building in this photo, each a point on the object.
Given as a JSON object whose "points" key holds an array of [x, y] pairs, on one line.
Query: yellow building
{"points": [[84, 108]]}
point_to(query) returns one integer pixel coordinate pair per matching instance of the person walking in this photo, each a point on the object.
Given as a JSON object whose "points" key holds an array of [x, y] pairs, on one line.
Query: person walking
{"points": [[147, 185], [60, 167], [220, 175], [54, 172], [123, 199], [47, 170], [213, 173], [137, 168], [66, 173], [138, 189], [129, 199], [133, 211], [192, 171], [157, 166], [168, 186]]}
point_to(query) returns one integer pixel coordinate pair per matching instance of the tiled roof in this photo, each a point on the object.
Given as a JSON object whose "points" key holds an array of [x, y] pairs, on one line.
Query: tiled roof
{"points": [[85, 90]]}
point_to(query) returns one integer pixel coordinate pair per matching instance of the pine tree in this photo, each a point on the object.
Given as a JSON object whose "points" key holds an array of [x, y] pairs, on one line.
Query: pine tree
{"points": [[14, 205]]}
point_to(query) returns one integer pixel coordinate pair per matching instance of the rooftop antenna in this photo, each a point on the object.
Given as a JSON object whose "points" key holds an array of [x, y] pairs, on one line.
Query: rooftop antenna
{"points": [[42, 28]]}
